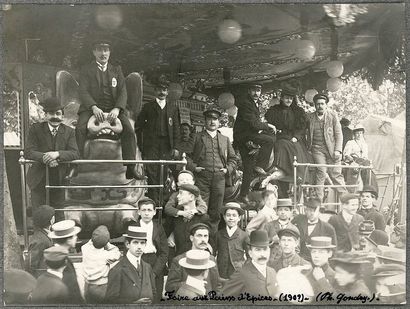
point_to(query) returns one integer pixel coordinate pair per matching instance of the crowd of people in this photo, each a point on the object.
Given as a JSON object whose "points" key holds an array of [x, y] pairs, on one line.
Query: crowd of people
{"points": [[201, 251]]}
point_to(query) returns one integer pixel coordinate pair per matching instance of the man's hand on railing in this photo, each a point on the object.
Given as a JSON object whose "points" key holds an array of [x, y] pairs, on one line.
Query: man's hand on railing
{"points": [[174, 154], [50, 156]]}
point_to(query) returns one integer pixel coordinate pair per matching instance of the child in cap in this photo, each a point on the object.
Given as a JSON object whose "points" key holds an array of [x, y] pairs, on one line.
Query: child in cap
{"points": [[231, 241], [99, 256]]}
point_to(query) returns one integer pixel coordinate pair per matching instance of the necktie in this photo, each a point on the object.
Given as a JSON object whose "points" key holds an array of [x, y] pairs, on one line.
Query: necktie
{"points": [[101, 67], [54, 132]]}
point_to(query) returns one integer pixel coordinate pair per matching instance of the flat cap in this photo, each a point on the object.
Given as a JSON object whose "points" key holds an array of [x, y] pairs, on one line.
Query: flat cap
{"points": [[42, 216], [291, 230], [197, 226], [321, 96], [55, 254], [345, 198], [145, 200], [190, 188], [100, 236]]}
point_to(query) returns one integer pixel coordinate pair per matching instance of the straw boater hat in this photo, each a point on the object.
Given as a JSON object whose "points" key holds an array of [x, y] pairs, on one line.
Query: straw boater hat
{"points": [[232, 205], [197, 259], [136, 232], [321, 242], [64, 229]]}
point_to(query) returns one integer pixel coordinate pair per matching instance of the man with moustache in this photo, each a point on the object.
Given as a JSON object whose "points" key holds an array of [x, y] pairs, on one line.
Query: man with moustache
{"points": [[103, 94], [158, 133], [48, 143], [249, 127], [325, 140]]}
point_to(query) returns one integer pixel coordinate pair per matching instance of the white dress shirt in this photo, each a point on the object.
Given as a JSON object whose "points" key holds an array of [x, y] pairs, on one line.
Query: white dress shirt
{"points": [[51, 128], [161, 103], [231, 231], [212, 133], [260, 268], [348, 217], [311, 226], [196, 283], [148, 227], [133, 259]]}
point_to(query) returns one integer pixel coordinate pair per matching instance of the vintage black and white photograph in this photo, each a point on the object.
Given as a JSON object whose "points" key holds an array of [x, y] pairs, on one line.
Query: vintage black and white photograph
{"points": [[204, 153]]}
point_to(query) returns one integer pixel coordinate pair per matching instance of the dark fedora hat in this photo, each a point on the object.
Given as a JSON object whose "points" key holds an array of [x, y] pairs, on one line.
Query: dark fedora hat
{"points": [[284, 202], [321, 242], [370, 189], [259, 238], [290, 230], [101, 41], [136, 232], [51, 104], [321, 96], [190, 188]]}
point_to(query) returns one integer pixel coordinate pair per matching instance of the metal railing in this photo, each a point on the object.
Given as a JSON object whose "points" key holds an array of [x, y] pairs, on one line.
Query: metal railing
{"points": [[23, 161]]}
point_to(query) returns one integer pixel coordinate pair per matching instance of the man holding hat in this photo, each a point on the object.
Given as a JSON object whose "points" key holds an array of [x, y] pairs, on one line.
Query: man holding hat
{"points": [[50, 288], [231, 241], [103, 94], [310, 225], [325, 141], [255, 277], [132, 280], [346, 223], [196, 264], [48, 143], [158, 134], [64, 236], [213, 161], [367, 209]]}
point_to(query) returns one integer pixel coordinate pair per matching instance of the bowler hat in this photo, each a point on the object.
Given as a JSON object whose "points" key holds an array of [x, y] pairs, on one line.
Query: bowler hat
{"points": [[232, 205], [51, 105], [321, 96], [64, 229], [259, 238], [345, 198], [313, 202], [42, 216], [100, 236], [284, 202], [197, 259], [378, 237], [370, 189], [18, 281], [388, 270], [136, 232], [366, 227], [392, 254], [190, 188], [290, 230], [198, 226], [55, 254], [145, 200], [320, 242]]}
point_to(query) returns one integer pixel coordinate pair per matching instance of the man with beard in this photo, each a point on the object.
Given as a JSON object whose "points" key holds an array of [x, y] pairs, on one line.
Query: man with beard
{"points": [[103, 94], [48, 143], [325, 141], [367, 209], [158, 134], [249, 127]]}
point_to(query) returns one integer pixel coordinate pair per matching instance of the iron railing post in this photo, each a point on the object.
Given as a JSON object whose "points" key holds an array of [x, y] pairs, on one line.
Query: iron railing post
{"points": [[23, 204], [294, 181]]}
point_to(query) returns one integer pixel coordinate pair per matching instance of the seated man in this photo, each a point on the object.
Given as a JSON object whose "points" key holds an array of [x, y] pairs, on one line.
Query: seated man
{"points": [[102, 90], [368, 210]]}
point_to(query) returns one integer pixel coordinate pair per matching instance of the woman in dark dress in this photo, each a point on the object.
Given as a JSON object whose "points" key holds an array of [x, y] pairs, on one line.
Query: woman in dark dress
{"points": [[291, 122]]}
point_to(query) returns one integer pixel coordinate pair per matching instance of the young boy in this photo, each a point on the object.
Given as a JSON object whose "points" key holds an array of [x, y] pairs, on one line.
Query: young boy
{"points": [[99, 257], [156, 249], [231, 241]]}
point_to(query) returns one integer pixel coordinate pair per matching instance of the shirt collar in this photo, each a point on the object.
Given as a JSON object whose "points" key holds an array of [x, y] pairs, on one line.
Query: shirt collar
{"points": [[212, 133], [161, 103], [346, 216], [149, 224], [320, 117], [196, 283], [260, 268], [51, 128], [231, 231], [102, 67], [55, 273], [133, 259]]}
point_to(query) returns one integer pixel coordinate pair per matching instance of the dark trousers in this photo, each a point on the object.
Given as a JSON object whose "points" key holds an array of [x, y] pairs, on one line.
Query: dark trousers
{"points": [[248, 164], [128, 139], [95, 294], [266, 142], [159, 149], [151, 258]]}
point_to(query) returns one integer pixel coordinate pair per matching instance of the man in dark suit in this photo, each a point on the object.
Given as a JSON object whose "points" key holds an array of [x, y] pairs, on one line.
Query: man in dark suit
{"points": [[103, 94], [158, 133], [213, 161], [368, 210], [310, 225], [255, 277], [249, 127], [132, 280], [64, 235], [48, 143], [50, 288]]}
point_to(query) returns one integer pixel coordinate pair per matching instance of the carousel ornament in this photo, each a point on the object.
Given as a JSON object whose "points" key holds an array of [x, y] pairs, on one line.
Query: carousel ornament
{"points": [[226, 100], [333, 84], [342, 14], [175, 91], [334, 68], [309, 94], [229, 31], [305, 50]]}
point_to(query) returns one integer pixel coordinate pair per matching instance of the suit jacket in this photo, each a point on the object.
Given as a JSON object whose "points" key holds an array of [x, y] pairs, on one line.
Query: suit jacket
{"points": [[160, 242], [295, 261], [39, 242], [248, 122], [250, 280], [231, 251], [347, 235], [332, 131], [146, 126], [374, 215], [70, 280], [177, 276], [90, 86], [126, 284], [39, 142], [321, 229], [226, 153], [275, 250], [50, 289], [188, 291]]}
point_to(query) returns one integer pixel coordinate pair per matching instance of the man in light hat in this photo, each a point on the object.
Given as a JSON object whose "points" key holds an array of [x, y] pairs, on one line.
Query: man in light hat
{"points": [[325, 141], [48, 143], [289, 241], [50, 288], [231, 241], [103, 94], [368, 195], [196, 264], [132, 280], [17, 287], [64, 235], [346, 223], [158, 134], [310, 225], [390, 282], [213, 161], [255, 277]]}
